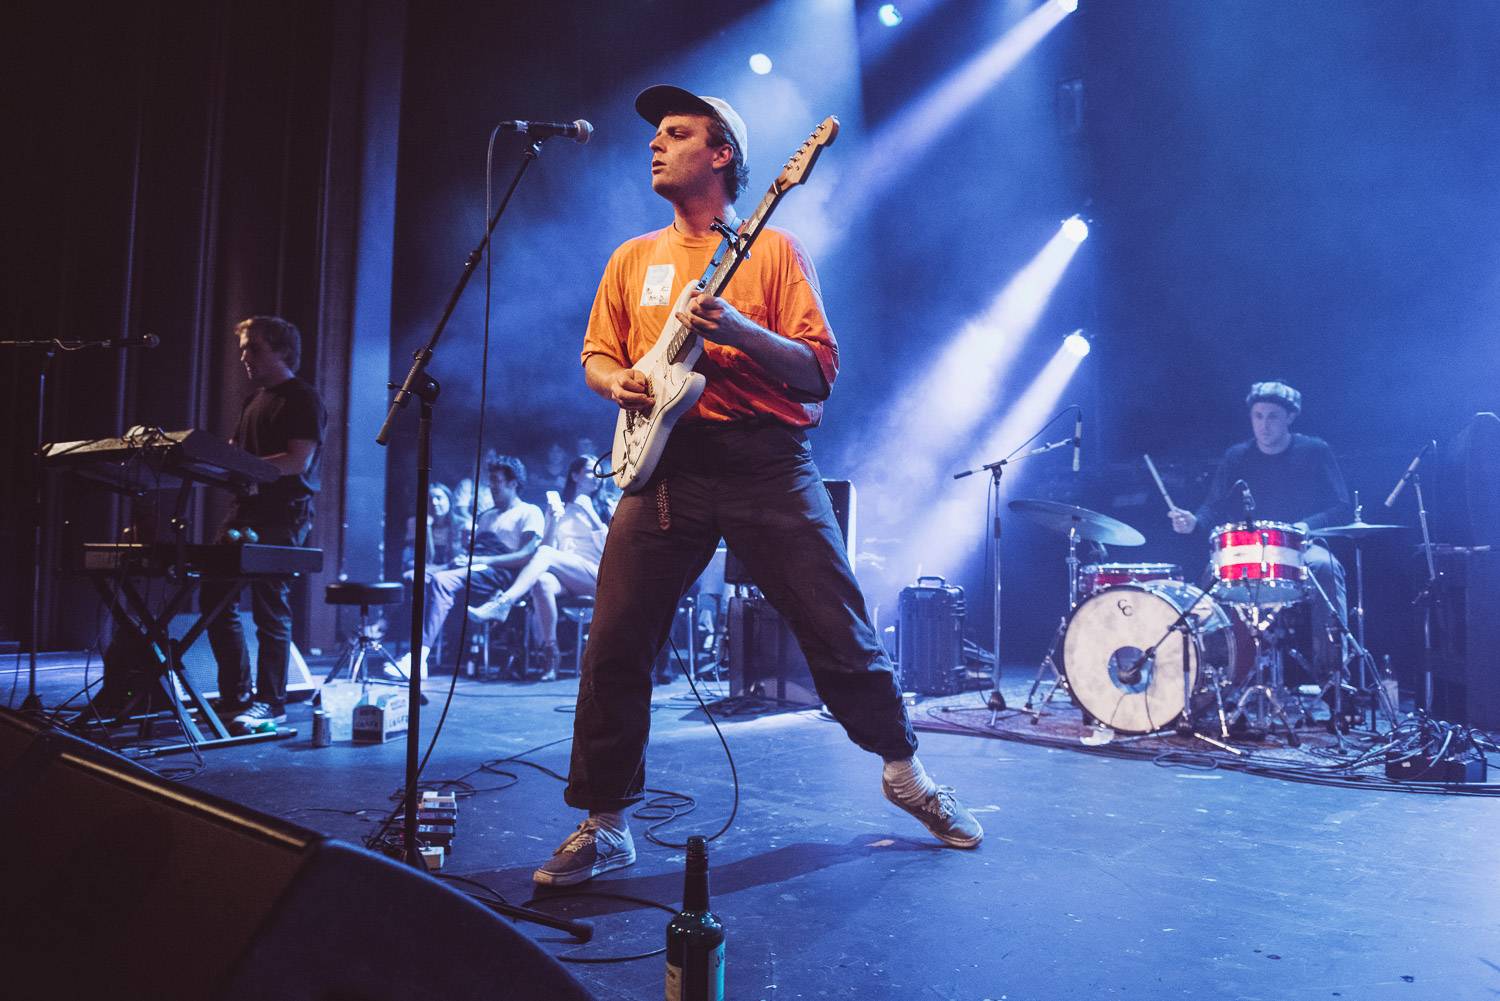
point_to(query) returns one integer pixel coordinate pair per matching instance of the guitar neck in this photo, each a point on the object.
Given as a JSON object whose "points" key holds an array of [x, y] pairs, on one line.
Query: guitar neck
{"points": [[735, 249], [748, 233], [724, 269]]}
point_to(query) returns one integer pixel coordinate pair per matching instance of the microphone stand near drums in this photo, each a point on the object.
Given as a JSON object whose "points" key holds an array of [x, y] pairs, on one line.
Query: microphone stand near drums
{"points": [[1225, 670]]}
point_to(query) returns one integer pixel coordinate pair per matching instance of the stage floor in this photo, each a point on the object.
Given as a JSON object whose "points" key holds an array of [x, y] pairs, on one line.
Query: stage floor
{"points": [[1098, 877]]}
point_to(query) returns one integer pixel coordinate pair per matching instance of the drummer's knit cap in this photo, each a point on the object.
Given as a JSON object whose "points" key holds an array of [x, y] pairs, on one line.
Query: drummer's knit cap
{"points": [[1275, 392]]}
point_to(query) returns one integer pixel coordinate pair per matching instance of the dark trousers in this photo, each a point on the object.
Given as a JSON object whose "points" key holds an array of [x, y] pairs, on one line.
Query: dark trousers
{"points": [[1329, 572], [282, 524], [756, 486], [444, 588]]}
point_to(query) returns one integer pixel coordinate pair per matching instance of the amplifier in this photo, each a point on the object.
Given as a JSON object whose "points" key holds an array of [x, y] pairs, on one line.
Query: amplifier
{"points": [[764, 658], [931, 637]]}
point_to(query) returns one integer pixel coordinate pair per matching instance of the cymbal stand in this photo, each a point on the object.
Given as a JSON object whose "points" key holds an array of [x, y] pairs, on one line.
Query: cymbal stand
{"points": [[1360, 654], [1430, 597], [1049, 664]]}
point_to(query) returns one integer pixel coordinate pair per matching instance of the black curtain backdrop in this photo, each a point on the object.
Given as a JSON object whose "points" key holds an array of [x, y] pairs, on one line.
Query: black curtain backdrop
{"points": [[183, 166]]}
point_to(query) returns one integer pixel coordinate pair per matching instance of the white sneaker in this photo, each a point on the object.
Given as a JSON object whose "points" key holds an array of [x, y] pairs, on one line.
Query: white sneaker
{"points": [[403, 663], [587, 852]]}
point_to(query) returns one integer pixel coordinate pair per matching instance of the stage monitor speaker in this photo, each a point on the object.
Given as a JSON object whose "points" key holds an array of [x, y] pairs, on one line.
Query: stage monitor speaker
{"points": [[122, 885], [841, 493], [764, 658], [203, 671]]}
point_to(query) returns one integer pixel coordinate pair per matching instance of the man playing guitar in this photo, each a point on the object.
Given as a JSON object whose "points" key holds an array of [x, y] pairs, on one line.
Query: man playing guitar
{"points": [[738, 466]]}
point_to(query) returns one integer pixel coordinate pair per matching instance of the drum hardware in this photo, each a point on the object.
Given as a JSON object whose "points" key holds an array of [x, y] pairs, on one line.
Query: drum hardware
{"points": [[1085, 582], [1268, 678], [1260, 562], [1357, 531], [1357, 652], [1091, 525], [1079, 524], [1123, 671], [1048, 664]]}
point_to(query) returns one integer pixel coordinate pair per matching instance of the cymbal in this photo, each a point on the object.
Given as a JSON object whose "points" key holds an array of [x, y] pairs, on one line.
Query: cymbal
{"points": [[1091, 525], [1353, 530]]}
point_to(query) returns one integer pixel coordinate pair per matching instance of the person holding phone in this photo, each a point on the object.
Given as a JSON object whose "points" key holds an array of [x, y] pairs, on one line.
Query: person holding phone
{"points": [[566, 562]]}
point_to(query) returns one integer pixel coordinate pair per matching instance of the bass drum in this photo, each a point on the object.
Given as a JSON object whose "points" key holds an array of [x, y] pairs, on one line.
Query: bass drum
{"points": [[1109, 633]]}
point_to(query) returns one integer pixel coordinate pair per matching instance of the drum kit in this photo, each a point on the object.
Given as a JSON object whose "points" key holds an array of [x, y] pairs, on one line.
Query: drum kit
{"points": [[1143, 649]]}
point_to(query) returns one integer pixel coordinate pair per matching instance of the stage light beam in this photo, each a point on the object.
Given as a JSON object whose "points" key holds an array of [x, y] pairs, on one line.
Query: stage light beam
{"points": [[940, 408], [1076, 229], [1066, 6], [1078, 344], [927, 119], [953, 528], [889, 14]]}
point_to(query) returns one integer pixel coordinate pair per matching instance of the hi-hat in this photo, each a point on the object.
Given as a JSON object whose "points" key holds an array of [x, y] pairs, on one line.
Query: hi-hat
{"points": [[1353, 530], [1091, 525]]}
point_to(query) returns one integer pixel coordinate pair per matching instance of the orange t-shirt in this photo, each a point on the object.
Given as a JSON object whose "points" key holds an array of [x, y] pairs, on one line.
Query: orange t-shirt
{"points": [[776, 288]]}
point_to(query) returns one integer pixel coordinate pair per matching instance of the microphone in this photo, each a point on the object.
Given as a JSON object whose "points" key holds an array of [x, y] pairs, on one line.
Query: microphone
{"points": [[1077, 439], [1411, 471], [579, 131], [1245, 498]]}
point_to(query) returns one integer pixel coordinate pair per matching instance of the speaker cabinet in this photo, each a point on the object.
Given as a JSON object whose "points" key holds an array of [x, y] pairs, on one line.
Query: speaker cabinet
{"points": [[122, 885]]}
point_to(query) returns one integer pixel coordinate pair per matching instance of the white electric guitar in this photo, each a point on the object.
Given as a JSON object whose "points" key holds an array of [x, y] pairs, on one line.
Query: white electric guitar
{"points": [[641, 437]]}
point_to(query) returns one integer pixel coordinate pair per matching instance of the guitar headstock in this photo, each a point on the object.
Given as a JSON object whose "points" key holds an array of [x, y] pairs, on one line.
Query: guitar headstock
{"points": [[801, 162]]}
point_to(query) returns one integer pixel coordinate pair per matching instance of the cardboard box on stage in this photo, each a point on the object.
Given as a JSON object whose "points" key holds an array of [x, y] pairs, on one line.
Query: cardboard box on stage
{"points": [[383, 717]]}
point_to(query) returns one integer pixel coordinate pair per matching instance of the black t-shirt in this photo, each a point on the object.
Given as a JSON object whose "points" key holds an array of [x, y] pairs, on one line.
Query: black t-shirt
{"points": [[1300, 483], [271, 418]]}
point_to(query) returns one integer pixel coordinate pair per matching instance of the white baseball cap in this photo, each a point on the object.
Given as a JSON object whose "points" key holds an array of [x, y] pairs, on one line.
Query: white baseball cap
{"points": [[656, 103]]}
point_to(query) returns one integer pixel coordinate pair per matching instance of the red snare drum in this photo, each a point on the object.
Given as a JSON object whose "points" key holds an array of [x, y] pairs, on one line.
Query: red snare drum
{"points": [[1259, 563], [1097, 576]]}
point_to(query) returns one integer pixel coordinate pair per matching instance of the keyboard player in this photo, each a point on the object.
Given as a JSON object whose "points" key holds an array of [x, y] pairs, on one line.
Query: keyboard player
{"points": [[283, 421]]}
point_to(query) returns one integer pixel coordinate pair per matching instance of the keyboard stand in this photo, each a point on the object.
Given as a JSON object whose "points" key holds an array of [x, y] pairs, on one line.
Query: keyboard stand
{"points": [[130, 611]]}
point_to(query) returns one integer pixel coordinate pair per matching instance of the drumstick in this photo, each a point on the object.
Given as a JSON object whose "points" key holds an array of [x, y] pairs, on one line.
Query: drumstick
{"points": [[1159, 484]]}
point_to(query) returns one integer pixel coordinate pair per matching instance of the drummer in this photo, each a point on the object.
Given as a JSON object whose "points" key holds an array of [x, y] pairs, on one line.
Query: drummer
{"points": [[1292, 478]]}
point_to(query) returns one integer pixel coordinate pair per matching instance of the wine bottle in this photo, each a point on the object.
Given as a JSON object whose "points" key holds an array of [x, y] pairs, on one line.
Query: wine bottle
{"points": [[695, 937]]}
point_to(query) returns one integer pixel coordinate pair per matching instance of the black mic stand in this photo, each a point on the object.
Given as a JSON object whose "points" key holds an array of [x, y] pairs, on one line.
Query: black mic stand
{"points": [[996, 469], [425, 388], [39, 513]]}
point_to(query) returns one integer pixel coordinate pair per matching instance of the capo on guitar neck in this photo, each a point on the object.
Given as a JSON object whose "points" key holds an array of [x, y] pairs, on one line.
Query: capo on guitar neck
{"points": [[738, 243]]}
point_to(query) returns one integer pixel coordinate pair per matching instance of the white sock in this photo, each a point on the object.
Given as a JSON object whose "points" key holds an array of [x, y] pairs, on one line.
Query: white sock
{"points": [[615, 820], [909, 779]]}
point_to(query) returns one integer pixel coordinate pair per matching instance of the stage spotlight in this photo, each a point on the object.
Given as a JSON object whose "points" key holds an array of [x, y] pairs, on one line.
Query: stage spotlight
{"points": [[889, 15], [1076, 229], [1067, 6], [760, 63], [1077, 344]]}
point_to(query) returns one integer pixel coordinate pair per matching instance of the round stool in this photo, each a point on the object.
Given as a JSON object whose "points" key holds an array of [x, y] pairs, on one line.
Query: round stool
{"points": [[362, 645]]}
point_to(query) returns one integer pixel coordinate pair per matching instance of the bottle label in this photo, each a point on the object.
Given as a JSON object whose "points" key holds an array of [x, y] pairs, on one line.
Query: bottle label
{"points": [[714, 963], [716, 974]]}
